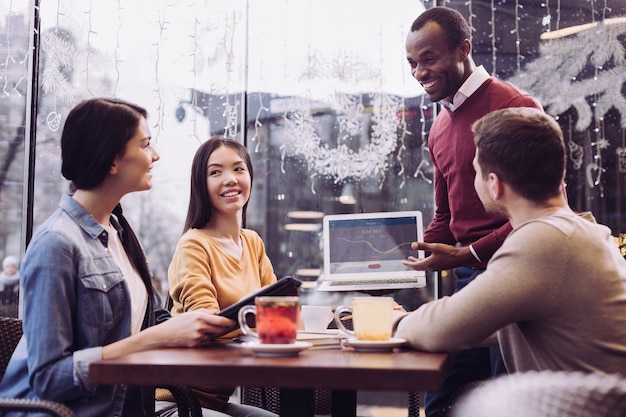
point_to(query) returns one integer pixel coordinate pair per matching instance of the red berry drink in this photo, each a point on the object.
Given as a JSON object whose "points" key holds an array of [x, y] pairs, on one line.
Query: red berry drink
{"points": [[277, 319]]}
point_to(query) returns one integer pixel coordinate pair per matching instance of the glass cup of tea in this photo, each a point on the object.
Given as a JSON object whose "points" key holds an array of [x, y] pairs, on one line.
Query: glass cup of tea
{"points": [[372, 318], [276, 319]]}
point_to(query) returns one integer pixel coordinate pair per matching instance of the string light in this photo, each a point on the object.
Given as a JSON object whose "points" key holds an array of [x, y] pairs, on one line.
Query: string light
{"points": [[230, 108], [470, 20], [194, 75], [424, 152], [621, 154], [89, 47], [258, 124], [117, 47], [576, 151], [162, 22], [494, 49], [402, 147], [518, 39], [9, 59]]}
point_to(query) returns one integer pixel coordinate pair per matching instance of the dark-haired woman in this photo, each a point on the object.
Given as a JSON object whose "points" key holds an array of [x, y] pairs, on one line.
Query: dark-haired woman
{"points": [[87, 286], [216, 261]]}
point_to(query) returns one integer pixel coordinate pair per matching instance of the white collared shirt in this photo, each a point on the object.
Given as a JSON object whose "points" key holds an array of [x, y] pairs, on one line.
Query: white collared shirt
{"points": [[475, 80]]}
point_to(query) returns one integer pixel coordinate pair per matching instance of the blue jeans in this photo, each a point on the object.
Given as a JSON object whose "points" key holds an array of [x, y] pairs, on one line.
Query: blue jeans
{"points": [[467, 365]]}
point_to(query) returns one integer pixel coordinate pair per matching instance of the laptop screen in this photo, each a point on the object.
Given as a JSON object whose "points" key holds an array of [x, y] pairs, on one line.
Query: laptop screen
{"points": [[370, 244]]}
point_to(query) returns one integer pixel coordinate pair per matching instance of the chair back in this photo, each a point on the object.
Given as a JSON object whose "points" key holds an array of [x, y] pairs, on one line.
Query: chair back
{"points": [[546, 394], [10, 334]]}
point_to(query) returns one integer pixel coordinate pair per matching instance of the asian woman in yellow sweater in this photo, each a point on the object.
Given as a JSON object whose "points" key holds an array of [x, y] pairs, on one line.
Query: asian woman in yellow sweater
{"points": [[216, 261]]}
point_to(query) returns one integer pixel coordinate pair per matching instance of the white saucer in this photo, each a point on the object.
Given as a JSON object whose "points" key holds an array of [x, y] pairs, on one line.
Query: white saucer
{"points": [[270, 350], [375, 345]]}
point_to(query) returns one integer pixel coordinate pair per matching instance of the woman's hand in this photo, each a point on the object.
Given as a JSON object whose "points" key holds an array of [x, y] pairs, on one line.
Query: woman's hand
{"points": [[190, 329]]}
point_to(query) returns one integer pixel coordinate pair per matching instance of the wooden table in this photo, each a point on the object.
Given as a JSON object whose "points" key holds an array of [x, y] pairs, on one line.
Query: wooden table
{"points": [[344, 371]]}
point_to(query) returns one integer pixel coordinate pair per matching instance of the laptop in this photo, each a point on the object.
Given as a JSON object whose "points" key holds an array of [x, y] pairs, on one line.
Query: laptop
{"points": [[363, 251]]}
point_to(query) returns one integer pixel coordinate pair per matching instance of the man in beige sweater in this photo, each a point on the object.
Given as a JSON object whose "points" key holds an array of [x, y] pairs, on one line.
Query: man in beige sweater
{"points": [[554, 294]]}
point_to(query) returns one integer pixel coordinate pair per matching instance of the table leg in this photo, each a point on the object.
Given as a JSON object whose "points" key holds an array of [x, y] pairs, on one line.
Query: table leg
{"points": [[297, 402], [343, 403]]}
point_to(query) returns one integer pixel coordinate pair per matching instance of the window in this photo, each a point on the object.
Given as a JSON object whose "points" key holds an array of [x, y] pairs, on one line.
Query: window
{"points": [[319, 91]]}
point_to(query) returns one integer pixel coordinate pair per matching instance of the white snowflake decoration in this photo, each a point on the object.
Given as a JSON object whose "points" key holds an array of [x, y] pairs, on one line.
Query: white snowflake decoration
{"points": [[341, 162], [555, 78], [59, 54]]}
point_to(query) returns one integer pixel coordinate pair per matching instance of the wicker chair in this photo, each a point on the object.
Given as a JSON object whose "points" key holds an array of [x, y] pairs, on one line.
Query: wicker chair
{"points": [[545, 394], [10, 334], [268, 398]]}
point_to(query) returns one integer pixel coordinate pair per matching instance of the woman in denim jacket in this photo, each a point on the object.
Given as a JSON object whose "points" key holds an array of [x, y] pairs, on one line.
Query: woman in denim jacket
{"points": [[87, 287]]}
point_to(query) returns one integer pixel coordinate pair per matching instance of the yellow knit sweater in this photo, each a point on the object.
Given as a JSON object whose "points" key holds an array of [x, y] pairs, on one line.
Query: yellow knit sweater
{"points": [[201, 275]]}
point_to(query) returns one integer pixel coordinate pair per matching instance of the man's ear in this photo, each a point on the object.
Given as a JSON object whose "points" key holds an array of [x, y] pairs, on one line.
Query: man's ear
{"points": [[496, 187], [464, 50], [113, 169]]}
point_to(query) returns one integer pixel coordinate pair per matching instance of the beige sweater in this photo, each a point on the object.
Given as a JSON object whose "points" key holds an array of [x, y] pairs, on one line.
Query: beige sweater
{"points": [[555, 293]]}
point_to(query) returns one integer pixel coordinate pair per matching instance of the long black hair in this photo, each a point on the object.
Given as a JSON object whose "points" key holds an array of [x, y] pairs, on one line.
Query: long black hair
{"points": [[200, 209], [95, 132]]}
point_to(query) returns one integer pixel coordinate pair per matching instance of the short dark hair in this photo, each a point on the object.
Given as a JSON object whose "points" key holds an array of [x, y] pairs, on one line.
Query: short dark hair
{"points": [[452, 22], [200, 209], [524, 147], [95, 132]]}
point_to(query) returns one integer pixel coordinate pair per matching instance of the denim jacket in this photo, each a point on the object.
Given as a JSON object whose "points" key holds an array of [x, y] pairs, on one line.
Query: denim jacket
{"points": [[75, 301]]}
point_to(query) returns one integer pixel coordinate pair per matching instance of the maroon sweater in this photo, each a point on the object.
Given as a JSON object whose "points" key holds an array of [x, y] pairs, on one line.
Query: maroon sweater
{"points": [[459, 215]]}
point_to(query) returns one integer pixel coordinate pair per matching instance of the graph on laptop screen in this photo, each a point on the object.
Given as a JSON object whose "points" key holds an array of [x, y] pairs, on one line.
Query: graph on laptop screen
{"points": [[371, 246]]}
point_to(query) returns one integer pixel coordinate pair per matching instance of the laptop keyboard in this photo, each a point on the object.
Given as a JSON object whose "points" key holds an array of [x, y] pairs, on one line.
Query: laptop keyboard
{"points": [[399, 280]]}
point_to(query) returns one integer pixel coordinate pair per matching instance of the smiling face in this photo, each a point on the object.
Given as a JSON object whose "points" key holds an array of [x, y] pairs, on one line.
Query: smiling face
{"points": [[228, 180], [133, 168], [439, 69]]}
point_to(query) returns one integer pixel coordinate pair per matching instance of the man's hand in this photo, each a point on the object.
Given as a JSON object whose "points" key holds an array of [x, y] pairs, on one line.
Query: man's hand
{"points": [[441, 257]]}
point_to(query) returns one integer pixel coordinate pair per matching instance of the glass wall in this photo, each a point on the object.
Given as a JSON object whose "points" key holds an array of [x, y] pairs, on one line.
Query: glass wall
{"points": [[319, 91], [15, 82], [328, 111]]}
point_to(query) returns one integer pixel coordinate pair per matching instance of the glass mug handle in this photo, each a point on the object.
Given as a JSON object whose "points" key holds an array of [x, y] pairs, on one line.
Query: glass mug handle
{"points": [[338, 311], [243, 323]]}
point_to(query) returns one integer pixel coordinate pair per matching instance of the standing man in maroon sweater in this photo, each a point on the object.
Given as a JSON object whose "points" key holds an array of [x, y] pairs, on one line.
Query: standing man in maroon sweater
{"points": [[462, 236]]}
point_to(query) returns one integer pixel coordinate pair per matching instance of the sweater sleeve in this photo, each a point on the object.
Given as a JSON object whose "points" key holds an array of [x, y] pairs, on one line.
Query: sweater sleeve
{"points": [[513, 288], [189, 276], [266, 270], [486, 246]]}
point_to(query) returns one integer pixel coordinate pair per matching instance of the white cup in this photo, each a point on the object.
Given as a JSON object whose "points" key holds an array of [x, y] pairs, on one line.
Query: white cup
{"points": [[316, 318]]}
